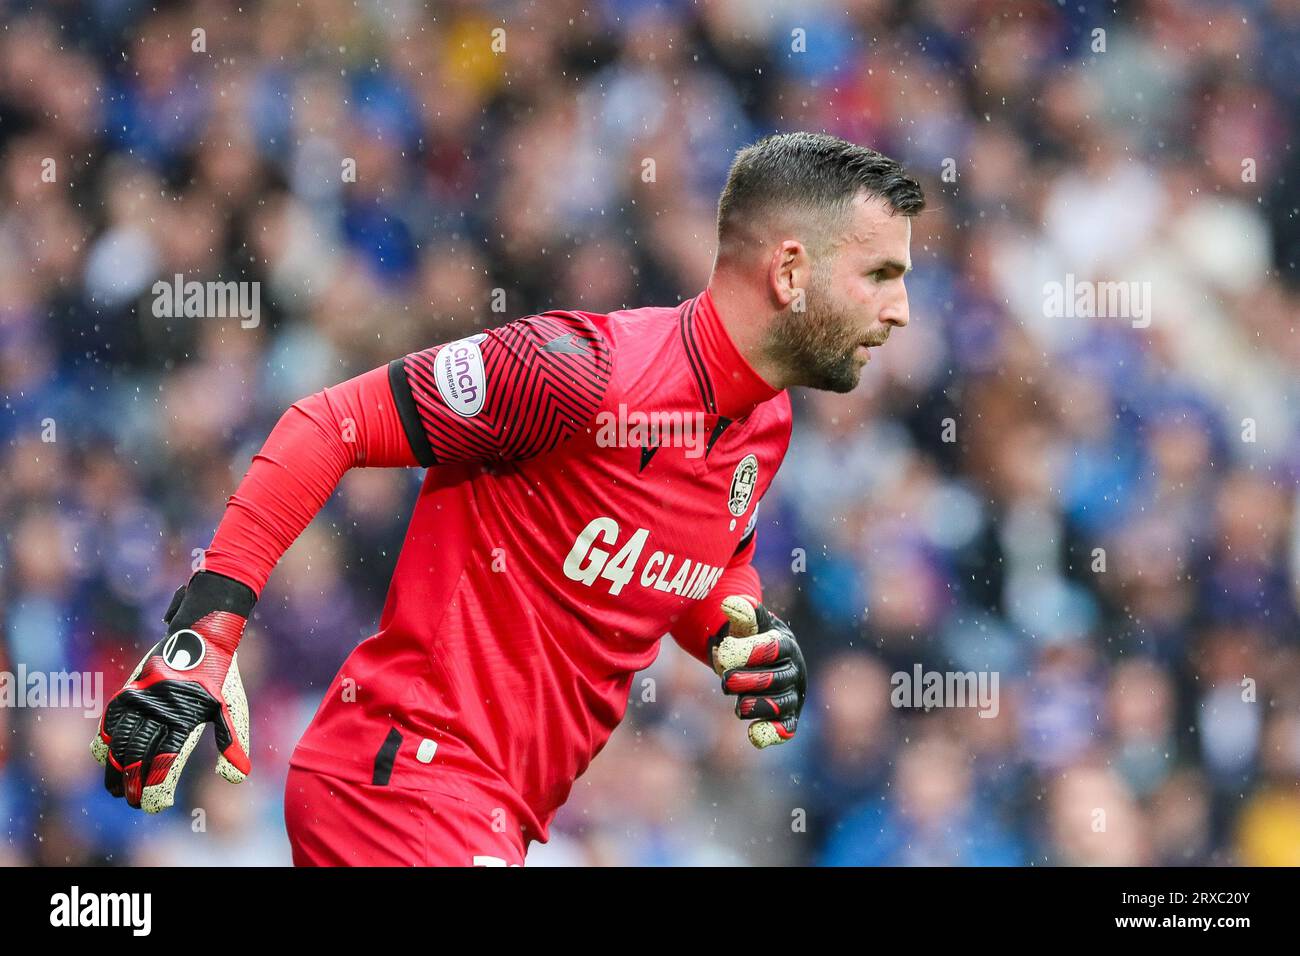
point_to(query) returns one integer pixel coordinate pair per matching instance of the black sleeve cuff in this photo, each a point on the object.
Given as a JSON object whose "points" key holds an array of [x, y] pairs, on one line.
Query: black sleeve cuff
{"points": [[410, 417]]}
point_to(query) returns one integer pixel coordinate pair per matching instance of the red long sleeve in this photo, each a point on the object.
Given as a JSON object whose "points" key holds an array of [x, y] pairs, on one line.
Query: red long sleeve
{"points": [[350, 425], [694, 628]]}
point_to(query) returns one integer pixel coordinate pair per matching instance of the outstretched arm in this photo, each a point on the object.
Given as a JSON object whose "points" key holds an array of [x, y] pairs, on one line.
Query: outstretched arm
{"points": [[508, 394], [511, 393], [351, 425]]}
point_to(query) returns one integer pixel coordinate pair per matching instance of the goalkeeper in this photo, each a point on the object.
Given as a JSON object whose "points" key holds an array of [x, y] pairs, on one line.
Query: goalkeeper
{"points": [[550, 548]]}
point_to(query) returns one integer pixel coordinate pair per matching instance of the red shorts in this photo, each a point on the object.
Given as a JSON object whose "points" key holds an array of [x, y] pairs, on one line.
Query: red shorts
{"points": [[336, 822]]}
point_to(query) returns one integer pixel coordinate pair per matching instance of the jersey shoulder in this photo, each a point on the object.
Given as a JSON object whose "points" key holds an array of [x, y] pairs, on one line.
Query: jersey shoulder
{"points": [[648, 358]]}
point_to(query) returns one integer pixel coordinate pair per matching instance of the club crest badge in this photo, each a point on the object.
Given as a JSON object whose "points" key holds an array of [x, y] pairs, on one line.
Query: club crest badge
{"points": [[742, 485]]}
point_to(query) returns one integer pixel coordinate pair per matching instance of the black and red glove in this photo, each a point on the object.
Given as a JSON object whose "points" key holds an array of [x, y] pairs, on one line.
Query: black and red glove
{"points": [[759, 660], [186, 681]]}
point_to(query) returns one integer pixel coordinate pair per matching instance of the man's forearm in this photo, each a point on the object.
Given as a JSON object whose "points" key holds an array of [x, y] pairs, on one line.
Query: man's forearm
{"points": [[703, 619], [315, 442]]}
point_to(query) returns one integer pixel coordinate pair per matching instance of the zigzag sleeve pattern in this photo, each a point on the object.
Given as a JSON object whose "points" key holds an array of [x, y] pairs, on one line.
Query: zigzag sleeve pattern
{"points": [[542, 378]]}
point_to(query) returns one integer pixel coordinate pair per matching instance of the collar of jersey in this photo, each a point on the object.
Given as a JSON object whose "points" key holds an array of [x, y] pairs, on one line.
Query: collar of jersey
{"points": [[728, 384]]}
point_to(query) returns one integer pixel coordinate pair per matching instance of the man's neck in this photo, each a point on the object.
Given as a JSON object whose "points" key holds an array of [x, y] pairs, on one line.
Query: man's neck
{"points": [[743, 315]]}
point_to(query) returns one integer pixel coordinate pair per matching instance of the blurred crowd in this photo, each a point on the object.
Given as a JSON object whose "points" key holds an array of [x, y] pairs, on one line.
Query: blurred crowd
{"points": [[1103, 512]]}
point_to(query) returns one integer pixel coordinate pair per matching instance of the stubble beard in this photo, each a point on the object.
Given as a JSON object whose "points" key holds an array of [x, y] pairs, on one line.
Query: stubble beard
{"points": [[817, 346]]}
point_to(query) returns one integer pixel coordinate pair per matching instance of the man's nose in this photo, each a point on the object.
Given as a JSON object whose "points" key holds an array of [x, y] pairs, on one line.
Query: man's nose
{"points": [[895, 311]]}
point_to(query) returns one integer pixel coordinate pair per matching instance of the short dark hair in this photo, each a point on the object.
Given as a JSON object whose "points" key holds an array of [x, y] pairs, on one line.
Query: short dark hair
{"points": [[815, 173]]}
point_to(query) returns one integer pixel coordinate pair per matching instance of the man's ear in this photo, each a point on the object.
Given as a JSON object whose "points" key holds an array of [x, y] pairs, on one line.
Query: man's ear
{"points": [[789, 273]]}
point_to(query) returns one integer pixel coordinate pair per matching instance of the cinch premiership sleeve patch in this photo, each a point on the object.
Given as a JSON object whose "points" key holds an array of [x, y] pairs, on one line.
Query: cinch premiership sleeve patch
{"points": [[511, 393]]}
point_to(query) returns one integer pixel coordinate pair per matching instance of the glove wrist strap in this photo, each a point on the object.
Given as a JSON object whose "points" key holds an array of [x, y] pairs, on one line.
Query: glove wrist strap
{"points": [[206, 592]]}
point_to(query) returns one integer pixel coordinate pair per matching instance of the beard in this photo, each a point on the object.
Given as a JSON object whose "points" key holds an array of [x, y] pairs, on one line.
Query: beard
{"points": [[818, 346]]}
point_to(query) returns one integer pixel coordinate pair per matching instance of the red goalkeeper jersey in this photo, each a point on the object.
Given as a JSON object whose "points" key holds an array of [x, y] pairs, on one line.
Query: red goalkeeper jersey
{"points": [[592, 485]]}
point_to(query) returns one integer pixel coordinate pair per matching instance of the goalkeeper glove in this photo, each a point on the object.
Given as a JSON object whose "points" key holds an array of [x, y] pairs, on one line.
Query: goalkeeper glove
{"points": [[188, 679], [757, 657]]}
